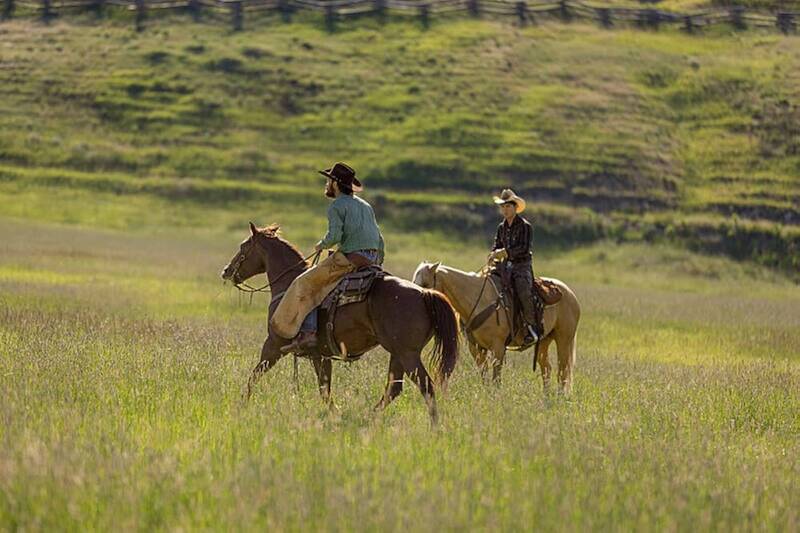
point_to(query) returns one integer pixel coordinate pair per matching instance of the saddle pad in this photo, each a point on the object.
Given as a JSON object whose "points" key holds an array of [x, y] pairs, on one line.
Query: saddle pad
{"points": [[354, 287]]}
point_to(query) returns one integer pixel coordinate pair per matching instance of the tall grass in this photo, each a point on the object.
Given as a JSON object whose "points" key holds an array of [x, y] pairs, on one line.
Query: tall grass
{"points": [[122, 361]]}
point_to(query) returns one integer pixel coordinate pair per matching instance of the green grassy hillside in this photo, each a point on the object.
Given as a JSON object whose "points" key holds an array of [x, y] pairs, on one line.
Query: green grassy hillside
{"points": [[624, 134]]}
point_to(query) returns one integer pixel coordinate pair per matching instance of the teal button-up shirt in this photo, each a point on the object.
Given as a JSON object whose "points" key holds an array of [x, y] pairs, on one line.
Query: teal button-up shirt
{"points": [[352, 225]]}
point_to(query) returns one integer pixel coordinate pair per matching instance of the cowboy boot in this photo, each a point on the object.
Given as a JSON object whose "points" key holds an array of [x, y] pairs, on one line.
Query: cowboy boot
{"points": [[531, 335], [305, 341]]}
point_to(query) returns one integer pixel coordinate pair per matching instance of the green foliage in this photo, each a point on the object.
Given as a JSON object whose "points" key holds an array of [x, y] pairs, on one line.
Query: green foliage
{"points": [[599, 127]]}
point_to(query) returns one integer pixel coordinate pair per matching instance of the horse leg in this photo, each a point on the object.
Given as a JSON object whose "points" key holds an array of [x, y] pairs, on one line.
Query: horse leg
{"points": [[419, 375], [323, 368], [498, 358], [270, 354], [394, 383], [544, 363], [479, 354], [566, 360]]}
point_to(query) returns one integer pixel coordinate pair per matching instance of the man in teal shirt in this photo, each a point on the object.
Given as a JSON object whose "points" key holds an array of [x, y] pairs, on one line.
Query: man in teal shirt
{"points": [[353, 229], [351, 221]]}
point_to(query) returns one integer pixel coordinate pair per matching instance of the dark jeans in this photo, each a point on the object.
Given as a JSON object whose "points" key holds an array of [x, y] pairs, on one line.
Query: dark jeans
{"points": [[522, 278]]}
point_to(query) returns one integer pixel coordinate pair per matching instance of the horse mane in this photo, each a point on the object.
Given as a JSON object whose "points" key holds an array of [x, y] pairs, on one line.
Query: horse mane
{"points": [[445, 268], [273, 232]]}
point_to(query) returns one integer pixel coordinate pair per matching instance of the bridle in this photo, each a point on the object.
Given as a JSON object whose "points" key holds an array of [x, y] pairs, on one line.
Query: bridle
{"points": [[480, 295], [267, 287]]}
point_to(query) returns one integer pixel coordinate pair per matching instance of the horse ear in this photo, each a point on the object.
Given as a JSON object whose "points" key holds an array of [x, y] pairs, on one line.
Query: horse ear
{"points": [[253, 229], [436, 265]]}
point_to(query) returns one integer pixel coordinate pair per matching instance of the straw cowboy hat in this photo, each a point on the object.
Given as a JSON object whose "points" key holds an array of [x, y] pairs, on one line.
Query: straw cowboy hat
{"points": [[344, 175], [509, 196]]}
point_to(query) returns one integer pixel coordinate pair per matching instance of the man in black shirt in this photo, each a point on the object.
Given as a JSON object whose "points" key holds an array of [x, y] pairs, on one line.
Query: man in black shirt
{"points": [[512, 247]]}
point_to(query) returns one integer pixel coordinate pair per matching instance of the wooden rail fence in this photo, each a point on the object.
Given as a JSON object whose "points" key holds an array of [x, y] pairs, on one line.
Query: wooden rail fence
{"points": [[237, 12]]}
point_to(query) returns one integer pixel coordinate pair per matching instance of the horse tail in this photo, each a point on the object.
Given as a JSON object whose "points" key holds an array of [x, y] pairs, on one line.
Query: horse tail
{"points": [[445, 331]]}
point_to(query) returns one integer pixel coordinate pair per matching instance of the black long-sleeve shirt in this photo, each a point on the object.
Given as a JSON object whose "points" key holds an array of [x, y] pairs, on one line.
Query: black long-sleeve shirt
{"points": [[516, 238]]}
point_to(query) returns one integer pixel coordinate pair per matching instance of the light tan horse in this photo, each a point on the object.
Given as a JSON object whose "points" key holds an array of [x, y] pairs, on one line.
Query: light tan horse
{"points": [[464, 288]]}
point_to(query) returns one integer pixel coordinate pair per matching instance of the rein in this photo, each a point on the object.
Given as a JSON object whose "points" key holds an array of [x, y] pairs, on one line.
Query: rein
{"points": [[480, 295], [267, 287]]}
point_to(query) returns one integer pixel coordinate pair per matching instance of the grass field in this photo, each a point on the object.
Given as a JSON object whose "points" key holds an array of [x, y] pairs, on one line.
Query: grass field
{"points": [[122, 358]]}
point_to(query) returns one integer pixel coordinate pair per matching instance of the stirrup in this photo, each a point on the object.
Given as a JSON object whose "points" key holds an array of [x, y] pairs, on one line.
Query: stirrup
{"points": [[532, 335]]}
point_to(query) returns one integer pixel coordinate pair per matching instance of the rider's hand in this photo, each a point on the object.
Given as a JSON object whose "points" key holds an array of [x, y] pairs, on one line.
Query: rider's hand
{"points": [[498, 255]]}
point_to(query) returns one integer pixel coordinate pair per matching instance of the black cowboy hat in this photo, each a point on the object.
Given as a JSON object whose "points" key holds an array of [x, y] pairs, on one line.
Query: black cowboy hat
{"points": [[344, 175]]}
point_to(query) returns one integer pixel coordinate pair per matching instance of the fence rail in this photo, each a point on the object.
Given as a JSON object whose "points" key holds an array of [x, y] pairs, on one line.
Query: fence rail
{"points": [[524, 11]]}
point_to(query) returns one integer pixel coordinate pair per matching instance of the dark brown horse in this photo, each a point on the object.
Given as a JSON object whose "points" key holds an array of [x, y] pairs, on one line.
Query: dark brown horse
{"points": [[397, 315]]}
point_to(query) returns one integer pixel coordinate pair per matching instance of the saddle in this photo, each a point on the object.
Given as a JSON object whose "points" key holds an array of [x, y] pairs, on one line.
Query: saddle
{"points": [[353, 288], [543, 293]]}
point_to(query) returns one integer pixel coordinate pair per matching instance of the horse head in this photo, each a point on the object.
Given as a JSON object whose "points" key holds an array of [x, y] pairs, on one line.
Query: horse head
{"points": [[249, 260], [425, 275]]}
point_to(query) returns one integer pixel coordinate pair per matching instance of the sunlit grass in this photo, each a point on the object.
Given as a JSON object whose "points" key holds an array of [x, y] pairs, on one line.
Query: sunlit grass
{"points": [[122, 361]]}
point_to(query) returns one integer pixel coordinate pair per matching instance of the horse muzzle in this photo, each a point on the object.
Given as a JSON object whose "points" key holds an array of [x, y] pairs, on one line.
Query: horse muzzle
{"points": [[228, 274]]}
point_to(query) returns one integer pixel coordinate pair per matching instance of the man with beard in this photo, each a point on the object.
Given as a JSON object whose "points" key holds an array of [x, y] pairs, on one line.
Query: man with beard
{"points": [[353, 229]]}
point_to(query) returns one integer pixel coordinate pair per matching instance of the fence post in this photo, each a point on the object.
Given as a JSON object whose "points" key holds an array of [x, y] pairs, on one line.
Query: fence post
{"points": [[605, 17], [737, 18], [194, 9], [522, 11], [649, 18], [8, 9], [98, 6], [330, 17], [380, 10], [473, 8], [424, 12], [286, 10], [655, 18], [688, 24], [237, 15], [785, 22], [47, 10], [141, 14], [563, 10]]}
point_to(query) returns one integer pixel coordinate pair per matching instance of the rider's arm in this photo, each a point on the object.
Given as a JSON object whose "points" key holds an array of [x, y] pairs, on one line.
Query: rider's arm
{"points": [[335, 225], [498, 243]]}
